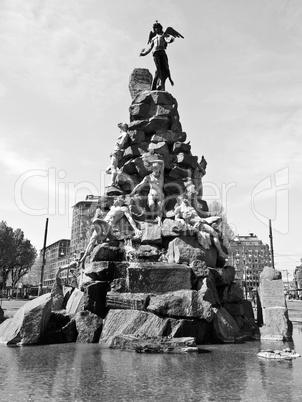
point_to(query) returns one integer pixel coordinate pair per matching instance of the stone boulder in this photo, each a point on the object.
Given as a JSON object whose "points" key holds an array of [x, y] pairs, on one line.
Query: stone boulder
{"points": [[201, 330], [149, 277], [53, 332], [272, 293], [70, 331], [106, 252], [57, 294], [277, 325], [28, 323], [127, 301], [181, 303], [100, 270], [231, 294], [226, 329], [248, 327], [89, 327], [270, 274], [140, 80], [95, 298], [154, 345], [133, 322], [75, 302], [208, 291], [187, 249], [227, 275]]}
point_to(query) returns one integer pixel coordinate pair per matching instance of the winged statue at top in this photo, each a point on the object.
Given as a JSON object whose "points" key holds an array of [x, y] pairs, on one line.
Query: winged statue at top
{"points": [[158, 41]]}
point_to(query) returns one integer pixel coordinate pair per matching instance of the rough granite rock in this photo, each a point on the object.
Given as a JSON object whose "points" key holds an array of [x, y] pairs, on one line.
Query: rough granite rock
{"points": [[226, 329], [28, 323], [140, 80], [89, 327], [231, 294], [100, 270], [272, 293], [95, 298], [57, 294], [157, 277], [248, 328], [75, 302], [154, 345], [227, 275], [208, 291], [133, 322], [270, 274], [53, 332], [70, 331], [127, 301], [199, 329], [276, 326], [106, 252], [181, 303]]}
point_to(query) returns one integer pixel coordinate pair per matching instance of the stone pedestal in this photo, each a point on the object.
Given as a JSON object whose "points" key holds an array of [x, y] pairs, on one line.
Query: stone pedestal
{"points": [[277, 325]]}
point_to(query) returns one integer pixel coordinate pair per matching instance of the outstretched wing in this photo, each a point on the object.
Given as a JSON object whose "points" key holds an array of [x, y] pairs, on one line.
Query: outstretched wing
{"points": [[151, 35], [171, 32]]}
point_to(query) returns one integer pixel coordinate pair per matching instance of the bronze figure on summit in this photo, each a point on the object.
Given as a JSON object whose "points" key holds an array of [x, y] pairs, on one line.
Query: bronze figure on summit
{"points": [[158, 41]]}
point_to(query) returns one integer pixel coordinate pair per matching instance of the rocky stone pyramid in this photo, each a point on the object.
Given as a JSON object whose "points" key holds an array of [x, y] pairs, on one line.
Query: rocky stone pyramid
{"points": [[154, 271]]}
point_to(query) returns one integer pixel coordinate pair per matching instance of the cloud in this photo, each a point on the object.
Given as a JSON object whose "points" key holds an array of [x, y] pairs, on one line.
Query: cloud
{"points": [[14, 161], [51, 50]]}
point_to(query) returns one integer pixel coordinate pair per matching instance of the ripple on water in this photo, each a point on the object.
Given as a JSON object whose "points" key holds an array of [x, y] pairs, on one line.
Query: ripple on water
{"points": [[75, 372]]}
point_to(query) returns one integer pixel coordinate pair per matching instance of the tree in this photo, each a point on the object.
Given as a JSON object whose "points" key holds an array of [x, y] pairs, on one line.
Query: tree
{"points": [[17, 254], [216, 209], [6, 250], [33, 277]]}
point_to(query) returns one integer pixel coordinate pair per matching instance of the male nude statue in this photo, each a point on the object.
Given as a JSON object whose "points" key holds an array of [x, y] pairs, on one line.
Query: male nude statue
{"points": [[117, 154], [155, 181]]}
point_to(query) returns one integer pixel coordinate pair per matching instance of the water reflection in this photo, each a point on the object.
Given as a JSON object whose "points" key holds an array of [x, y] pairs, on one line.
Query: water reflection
{"points": [[75, 372]]}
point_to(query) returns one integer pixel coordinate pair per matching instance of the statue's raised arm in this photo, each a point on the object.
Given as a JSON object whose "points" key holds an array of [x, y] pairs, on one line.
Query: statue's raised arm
{"points": [[158, 41]]}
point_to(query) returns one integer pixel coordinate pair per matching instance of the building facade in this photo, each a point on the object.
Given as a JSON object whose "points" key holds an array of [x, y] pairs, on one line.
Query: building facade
{"points": [[249, 255], [82, 214], [56, 255]]}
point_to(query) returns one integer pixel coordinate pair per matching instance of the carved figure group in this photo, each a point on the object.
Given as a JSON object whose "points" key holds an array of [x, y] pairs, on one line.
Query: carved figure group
{"points": [[187, 215], [102, 228]]}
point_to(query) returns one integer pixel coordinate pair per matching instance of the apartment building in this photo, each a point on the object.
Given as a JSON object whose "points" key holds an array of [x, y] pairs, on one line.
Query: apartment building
{"points": [[249, 255]]}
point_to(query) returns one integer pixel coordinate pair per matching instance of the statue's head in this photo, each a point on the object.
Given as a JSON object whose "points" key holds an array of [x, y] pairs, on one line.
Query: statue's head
{"points": [[157, 27], [119, 201], [123, 126], [158, 166]]}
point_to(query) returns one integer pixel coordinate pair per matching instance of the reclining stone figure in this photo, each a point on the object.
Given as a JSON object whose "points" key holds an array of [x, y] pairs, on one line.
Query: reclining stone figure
{"points": [[187, 215]]}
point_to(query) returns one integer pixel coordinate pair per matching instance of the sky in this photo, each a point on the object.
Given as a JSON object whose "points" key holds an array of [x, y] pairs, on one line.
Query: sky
{"points": [[64, 74]]}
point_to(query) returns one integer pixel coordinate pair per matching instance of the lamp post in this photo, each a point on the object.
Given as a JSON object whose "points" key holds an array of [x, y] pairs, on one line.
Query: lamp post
{"points": [[244, 270]]}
